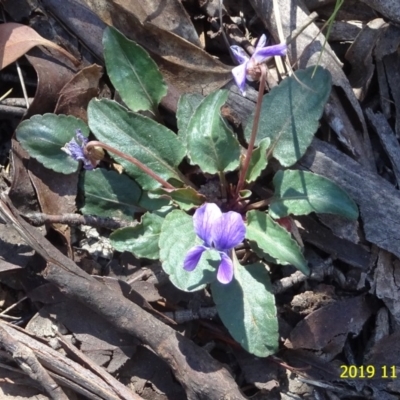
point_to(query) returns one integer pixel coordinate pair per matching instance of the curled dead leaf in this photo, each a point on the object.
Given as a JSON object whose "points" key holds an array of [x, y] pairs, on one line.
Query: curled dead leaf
{"points": [[17, 39]]}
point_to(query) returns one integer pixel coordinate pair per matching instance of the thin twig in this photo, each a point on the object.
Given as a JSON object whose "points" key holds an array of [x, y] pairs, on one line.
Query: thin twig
{"points": [[39, 219], [13, 306]]}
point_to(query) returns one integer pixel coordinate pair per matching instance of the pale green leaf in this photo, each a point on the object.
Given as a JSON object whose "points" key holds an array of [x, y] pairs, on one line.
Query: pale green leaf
{"points": [[142, 239], [246, 306], [302, 192], [274, 240], [211, 143], [290, 113]]}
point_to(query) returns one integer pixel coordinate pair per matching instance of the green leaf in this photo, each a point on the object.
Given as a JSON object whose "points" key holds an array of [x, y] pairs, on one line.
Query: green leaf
{"points": [[246, 306], [301, 192], [211, 144], [109, 194], [187, 104], [176, 238], [43, 136], [186, 198], [142, 239], [258, 161], [151, 143], [290, 113], [274, 240], [132, 72]]}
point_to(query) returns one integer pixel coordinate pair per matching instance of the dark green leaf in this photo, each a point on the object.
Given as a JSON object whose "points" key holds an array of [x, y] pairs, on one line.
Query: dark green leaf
{"points": [[142, 239], [151, 143], [133, 73], [109, 194], [274, 240], [246, 306], [301, 192], [290, 113], [176, 238], [211, 143], [43, 136]]}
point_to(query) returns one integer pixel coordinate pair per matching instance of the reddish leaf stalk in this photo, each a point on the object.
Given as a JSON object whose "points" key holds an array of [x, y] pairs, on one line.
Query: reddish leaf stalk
{"points": [[254, 130], [133, 160]]}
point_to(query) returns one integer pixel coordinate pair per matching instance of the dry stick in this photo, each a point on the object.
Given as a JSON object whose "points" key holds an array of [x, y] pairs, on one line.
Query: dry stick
{"points": [[119, 388], [39, 219], [254, 130], [65, 371], [27, 361], [202, 376]]}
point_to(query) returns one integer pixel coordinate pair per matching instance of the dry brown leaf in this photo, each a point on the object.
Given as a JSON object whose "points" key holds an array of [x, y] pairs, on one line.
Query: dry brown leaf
{"points": [[327, 328], [169, 15], [17, 39], [76, 94], [186, 67]]}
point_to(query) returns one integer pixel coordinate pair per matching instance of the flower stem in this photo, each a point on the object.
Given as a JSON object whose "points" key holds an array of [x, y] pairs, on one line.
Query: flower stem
{"points": [[254, 130], [133, 160]]}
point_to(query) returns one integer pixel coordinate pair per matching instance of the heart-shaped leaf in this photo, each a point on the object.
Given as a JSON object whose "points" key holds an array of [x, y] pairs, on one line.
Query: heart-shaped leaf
{"points": [[302, 192], [290, 113], [246, 306], [109, 194], [132, 72], [43, 136], [142, 239], [211, 144], [274, 240], [176, 238], [151, 143]]}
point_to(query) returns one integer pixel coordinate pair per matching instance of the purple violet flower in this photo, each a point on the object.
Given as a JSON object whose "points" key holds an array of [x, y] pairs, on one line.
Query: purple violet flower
{"points": [[261, 54], [75, 148], [219, 231]]}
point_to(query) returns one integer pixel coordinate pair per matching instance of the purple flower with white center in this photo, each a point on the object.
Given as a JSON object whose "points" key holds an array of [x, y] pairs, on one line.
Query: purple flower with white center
{"points": [[219, 231], [248, 64], [76, 149]]}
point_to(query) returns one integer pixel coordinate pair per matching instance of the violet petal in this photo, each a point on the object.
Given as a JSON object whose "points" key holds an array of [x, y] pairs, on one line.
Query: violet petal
{"points": [[261, 42], [203, 220], [192, 257], [240, 55], [225, 269], [261, 54], [79, 135], [239, 75], [228, 231]]}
